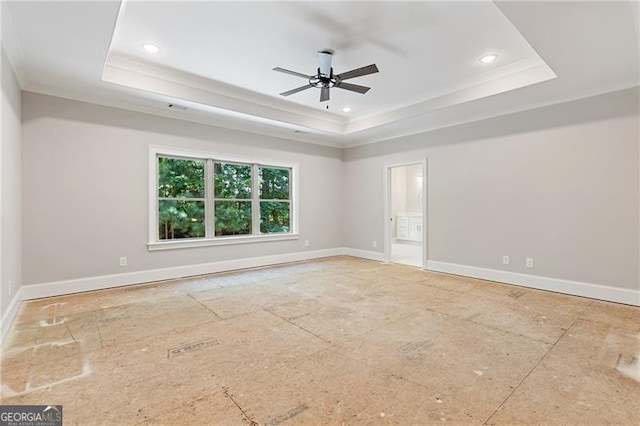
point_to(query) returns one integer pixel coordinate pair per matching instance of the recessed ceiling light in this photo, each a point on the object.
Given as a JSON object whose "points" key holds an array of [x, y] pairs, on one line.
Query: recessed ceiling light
{"points": [[151, 48], [346, 109], [487, 59]]}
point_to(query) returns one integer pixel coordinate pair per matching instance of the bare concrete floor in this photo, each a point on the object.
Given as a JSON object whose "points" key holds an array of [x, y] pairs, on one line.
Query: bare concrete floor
{"points": [[336, 341]]}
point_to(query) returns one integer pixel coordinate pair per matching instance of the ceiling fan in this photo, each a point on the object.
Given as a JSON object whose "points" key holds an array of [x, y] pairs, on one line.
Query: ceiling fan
{"points": [[325, 79]]}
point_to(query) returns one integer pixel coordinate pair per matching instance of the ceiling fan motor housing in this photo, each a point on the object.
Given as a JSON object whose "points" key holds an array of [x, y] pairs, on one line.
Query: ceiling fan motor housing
{"points": [[324, 59], [321, 81], [324, 78]]}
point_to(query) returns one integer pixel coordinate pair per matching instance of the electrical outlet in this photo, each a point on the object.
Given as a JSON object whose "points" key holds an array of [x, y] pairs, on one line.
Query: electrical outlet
{"points": [[529, 262], [375, 244], [505, 260], [123, 261], [306, 243]]}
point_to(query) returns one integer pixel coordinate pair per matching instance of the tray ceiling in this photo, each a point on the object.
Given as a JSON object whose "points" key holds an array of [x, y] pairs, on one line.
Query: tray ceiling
{"points": [[216, 59]]}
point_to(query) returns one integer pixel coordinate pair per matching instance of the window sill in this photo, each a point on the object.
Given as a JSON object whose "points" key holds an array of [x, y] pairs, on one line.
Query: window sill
{"points": [[219, 241]]}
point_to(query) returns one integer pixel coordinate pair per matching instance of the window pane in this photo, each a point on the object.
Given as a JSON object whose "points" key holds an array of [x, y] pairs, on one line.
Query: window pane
{"points": [[274, 217], [180, 219], [180, 178], [274, 184], [232, 180], [233, 217]]}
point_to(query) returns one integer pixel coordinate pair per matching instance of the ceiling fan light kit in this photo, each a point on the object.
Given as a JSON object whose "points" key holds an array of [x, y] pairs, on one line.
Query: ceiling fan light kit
{"points": [[324, 79]]}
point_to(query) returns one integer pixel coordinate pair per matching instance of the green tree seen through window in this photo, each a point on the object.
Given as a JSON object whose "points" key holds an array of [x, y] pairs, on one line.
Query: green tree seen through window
{"points": [[232, 195], [189, 188], [181, 206], [275, 206]]}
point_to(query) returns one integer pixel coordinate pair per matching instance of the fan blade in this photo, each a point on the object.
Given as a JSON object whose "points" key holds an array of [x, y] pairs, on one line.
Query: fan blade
{"points": [[353, 87], [297, 74], [324, 94], [296, 90], [369, 69]]}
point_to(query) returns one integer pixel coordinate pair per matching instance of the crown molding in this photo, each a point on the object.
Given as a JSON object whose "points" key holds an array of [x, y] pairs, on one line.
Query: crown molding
{"points": [[535, 72], [162, 80]]}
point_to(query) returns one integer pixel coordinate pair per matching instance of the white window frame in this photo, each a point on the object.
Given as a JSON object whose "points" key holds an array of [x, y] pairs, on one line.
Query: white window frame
{"points": [[210, 239]]}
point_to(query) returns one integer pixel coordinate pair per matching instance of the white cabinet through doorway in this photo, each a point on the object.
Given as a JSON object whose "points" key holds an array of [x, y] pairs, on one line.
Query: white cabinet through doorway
{"points": [[409, 227]]}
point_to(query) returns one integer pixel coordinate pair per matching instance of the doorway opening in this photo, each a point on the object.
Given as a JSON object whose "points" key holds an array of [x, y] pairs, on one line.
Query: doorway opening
{"points": [[405, 210]]}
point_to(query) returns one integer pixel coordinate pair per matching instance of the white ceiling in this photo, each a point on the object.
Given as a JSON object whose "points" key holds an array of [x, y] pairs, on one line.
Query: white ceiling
{"points": [[239, 44], [216, 58]]}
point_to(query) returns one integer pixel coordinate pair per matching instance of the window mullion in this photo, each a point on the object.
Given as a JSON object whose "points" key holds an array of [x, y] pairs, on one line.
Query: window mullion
{"points": [[209, 201], [255, 200]]}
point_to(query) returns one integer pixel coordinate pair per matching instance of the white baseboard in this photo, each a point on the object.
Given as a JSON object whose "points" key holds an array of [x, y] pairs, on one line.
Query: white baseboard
{"points": [[364, 254], [10, 314], [58, 288], [575, 288]]}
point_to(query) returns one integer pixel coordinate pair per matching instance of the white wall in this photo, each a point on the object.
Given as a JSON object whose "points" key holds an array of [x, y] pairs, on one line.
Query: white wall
{"points": [[10, 187], [559, 184], [398, 195], [413, 189], [85, 189]]}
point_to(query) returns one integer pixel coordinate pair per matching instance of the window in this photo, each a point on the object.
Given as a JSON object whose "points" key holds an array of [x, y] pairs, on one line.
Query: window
{"points": [[275, 200], [232, 198], [181, 201], [207, 200]]}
